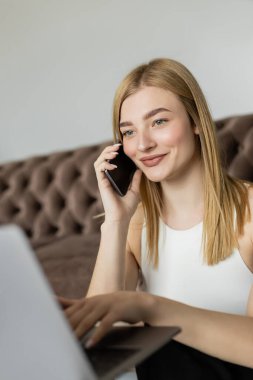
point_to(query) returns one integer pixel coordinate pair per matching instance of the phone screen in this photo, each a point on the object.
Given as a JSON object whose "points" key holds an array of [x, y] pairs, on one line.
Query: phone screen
{"points": [[121, 177]]}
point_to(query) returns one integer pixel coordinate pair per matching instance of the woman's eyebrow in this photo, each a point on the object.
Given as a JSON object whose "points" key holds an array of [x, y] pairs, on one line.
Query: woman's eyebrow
{"points": [[145, 117], [154, 112]]}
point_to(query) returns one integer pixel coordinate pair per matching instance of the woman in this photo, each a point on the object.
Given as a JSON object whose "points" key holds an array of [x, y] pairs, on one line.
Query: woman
{"points": [[184, 225]]}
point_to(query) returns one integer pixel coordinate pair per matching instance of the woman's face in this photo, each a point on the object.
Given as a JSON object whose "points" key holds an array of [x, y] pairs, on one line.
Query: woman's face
{"points": [[157, 133]]}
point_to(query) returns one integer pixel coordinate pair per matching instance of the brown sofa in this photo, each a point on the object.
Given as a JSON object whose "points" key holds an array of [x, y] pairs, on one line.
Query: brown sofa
{"points": [[54, 198]]}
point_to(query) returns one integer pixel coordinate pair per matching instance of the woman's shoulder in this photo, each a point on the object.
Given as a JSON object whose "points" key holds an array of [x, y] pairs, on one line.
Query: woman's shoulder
{"points": [[246, 243], [246, 239], [250, 199], [138, 218], [249, 186]]}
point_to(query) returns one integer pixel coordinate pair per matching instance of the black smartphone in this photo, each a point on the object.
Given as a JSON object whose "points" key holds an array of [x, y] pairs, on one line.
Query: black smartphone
{"points": [[121, 177]]}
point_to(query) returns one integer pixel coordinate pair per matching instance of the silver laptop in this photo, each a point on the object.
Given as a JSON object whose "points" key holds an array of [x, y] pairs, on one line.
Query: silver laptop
{"points": [[36, 341]]}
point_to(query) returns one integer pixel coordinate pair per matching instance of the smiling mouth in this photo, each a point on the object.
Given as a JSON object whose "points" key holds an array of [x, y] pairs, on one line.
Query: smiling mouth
{"points": [[152, 161]]}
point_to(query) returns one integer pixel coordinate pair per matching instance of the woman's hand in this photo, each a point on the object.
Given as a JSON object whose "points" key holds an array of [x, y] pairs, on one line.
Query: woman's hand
{"points": [[65, 303], [131, 307], [116, 208]]}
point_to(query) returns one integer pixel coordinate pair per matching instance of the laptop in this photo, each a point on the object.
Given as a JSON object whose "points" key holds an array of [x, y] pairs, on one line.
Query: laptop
{"points": [[36, 340]]}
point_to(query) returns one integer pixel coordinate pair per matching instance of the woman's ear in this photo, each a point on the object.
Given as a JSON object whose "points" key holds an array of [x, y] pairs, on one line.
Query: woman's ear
{"points": [[196, 129], [194, 126]]}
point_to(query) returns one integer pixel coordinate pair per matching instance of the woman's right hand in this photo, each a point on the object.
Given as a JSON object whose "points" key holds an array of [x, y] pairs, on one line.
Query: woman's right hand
{"points": [[116, 208]]}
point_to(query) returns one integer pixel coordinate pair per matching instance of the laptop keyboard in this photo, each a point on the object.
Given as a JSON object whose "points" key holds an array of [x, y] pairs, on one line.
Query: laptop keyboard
{"points": [[105, 359]]}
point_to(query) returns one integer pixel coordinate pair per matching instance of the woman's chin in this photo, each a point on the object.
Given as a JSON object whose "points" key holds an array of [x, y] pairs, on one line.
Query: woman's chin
{"points": [[155, 177]]}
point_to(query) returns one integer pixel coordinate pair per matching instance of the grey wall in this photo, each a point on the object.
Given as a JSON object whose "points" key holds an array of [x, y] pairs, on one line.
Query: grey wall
{"points": [[61, 61]]}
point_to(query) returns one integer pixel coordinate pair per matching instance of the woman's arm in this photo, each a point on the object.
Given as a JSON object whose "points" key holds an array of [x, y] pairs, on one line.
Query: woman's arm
{"points": [[118, 260], [110, 268], [115, 267], [225, 336]]}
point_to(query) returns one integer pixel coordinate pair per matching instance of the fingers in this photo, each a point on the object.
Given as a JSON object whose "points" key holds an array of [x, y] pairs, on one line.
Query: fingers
{"points": [[72, 313], [109, 153], [101, 330], [65, 302], [87, 323], [106, 309], [85, 314], [106, 166]]}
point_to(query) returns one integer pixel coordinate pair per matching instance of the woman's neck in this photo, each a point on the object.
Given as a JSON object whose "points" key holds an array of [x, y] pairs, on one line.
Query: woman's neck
{"points": [[183, 198]]}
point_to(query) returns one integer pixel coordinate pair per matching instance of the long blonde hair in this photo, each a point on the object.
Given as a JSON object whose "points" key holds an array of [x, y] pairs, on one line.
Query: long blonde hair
{"points": [[224, 197]]}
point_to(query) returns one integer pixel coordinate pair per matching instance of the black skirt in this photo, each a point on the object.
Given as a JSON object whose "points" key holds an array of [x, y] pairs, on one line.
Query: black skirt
{"points": [[177, 361]]}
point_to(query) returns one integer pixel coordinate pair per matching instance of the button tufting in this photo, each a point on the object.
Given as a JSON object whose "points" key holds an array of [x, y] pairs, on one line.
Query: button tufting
{"points": [[25, 182], [37, 206], [77, 173], [15, 209], [28, 232], [52, 230], [50, 177], [3, 186], [78, 228], [61, 202]]}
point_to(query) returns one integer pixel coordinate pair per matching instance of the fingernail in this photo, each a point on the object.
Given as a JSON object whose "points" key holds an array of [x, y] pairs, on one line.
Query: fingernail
{"points": [[115, 166], [89, 343], [117, 144]]}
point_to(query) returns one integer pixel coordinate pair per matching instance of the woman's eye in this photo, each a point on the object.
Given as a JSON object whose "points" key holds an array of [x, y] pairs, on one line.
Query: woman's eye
{"points": [[160, 121], [127, 133]]}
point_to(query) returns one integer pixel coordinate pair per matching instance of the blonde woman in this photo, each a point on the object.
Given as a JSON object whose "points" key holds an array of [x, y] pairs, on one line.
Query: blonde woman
{"points": [[184, 225]]}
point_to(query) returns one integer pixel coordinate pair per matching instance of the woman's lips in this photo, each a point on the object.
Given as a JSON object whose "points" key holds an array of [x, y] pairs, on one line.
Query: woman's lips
{"points": [[150, 161]]}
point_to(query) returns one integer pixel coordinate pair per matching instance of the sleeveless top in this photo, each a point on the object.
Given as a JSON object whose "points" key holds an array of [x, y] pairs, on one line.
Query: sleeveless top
{"points": [[183, 276]]}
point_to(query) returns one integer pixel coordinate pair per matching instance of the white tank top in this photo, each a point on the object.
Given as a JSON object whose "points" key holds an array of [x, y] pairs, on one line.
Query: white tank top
{"points": [[182, 276]]}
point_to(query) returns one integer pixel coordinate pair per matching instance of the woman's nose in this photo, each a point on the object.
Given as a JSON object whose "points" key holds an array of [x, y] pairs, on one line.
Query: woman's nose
{"points": [[145, 142]]}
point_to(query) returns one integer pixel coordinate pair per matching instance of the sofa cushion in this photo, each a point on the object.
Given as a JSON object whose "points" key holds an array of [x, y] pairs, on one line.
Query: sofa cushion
{"points": [[68, 263]]}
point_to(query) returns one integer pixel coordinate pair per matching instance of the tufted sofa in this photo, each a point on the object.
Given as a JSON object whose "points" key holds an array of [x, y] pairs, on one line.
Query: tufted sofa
{"points": [[55, 199]]}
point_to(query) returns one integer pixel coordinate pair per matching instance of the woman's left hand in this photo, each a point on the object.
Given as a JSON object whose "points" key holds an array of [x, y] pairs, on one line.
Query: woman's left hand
{"points": [[66, 302], [131, 307]]}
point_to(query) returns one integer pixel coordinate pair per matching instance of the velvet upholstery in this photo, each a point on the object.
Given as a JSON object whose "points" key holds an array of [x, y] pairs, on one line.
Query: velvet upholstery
{"points": [[235, 137]]}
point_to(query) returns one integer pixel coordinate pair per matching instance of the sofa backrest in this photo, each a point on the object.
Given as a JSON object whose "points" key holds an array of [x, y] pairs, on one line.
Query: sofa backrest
{"points": [[235, 137], [53, 195]]}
